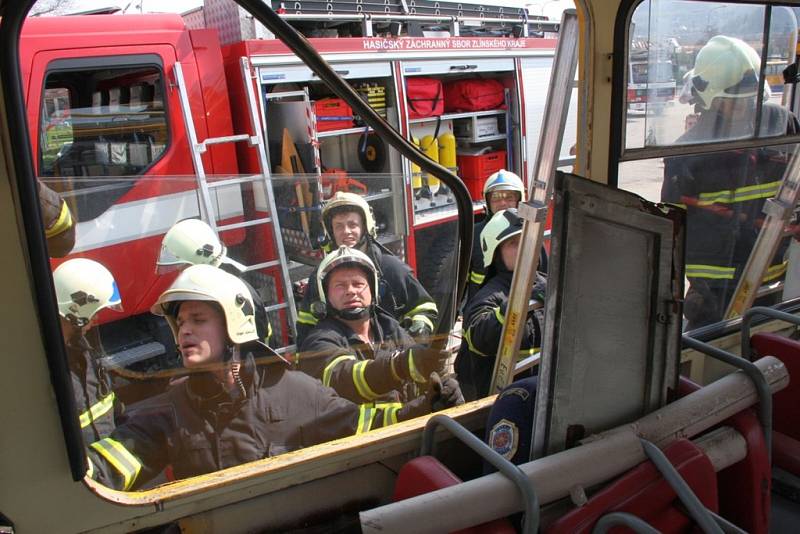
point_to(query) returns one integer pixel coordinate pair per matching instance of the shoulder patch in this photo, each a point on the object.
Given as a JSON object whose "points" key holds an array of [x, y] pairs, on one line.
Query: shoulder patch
{"points": [[522, 393], [504, 438]]}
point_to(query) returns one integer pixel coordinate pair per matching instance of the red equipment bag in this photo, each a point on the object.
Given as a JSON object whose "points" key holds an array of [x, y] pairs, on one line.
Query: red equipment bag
{"points": [[424, 97], [333, 114], [475, 94]]}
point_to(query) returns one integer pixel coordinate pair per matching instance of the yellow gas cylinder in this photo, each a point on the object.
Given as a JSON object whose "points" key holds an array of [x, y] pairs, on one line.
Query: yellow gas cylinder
{"points": [[430, 146], [447, 151], [416, 172]]}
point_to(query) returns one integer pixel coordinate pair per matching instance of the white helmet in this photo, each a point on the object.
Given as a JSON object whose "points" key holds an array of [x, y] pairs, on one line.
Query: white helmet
{"points": [[210, 284], [191, 242], [343, 202], [83, 288], [725, 67], [503, 225], [343, 257], [503, 180]]}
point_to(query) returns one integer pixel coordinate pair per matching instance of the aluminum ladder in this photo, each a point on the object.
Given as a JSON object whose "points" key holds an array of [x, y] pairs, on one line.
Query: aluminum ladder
{"points": [[207, 209]]}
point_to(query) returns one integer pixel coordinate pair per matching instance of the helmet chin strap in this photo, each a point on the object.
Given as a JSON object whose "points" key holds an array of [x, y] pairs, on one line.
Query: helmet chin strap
{"points": [[351, 314]]}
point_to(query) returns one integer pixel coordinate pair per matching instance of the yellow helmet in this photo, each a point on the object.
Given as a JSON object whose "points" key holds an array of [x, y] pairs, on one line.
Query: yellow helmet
{"points": [[345, 202], [725, 67], [211, 284], [503, 225], [83, 288], [191, 242]]}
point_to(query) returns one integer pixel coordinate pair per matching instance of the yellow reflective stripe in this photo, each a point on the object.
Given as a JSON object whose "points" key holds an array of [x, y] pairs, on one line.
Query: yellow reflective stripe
{"points": [[366, 415], [326, 373], [305, 317], [97, 410], [529, 352], [476, 278], [90, 471], [710, 271], [62, 223], [468, 339], [413, 371], [425, 319], [390, 410], [119, 457], [425, 306], [360, 381], [776, 271], [499, 315], [740, 194]]}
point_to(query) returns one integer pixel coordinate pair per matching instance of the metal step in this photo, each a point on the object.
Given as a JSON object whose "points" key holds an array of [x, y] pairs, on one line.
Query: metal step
{"points": [[244, 224], [234, 181]]}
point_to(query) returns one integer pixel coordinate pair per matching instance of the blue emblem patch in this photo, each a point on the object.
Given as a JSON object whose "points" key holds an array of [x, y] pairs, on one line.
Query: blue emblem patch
{"points": [[504, 438]]}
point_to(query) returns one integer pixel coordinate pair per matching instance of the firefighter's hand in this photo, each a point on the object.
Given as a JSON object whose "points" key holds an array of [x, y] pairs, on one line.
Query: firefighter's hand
{"points": [[419, 329], [418, 363], [444, 392]]}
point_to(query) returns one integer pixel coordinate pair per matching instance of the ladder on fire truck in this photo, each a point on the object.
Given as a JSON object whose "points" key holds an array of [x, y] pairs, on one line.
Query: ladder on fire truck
{"points": [[205, 187]]}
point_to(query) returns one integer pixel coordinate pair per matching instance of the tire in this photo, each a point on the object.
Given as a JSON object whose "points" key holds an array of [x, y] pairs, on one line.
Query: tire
{"points": [[436, 274]]}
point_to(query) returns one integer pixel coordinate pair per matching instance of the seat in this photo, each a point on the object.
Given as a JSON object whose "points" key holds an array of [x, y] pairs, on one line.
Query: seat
{"points": [[425, 474], [643, 493]]}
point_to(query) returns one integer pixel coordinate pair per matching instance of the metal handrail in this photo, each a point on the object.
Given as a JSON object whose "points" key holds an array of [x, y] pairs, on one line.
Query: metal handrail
{"points": [[624, 519], [767, 312], [529, 497], [693, 505], [752, 372]]}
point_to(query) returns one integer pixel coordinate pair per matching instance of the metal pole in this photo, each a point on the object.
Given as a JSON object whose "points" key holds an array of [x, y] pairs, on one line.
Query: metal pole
{"points": [[534, 211]]}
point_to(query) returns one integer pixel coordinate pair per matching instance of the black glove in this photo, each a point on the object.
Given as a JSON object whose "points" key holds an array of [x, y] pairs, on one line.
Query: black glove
{"points": [[445, 392], [418, 363]]}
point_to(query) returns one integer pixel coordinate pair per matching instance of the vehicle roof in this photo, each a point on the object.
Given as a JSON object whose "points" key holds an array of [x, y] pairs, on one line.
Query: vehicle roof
{"points": [[106, 24]]}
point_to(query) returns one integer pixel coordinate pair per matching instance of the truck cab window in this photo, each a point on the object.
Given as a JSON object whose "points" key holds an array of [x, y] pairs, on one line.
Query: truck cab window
{"points": [[98, 125]]}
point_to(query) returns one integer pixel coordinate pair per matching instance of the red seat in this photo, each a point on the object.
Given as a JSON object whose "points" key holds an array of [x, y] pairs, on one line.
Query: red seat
{"points": [[744, 487], [644, 493], [785, 403], [425, 474]]}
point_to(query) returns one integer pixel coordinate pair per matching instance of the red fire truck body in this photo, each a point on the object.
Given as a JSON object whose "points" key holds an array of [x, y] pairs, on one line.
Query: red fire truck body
{"points": [[115, 75]]}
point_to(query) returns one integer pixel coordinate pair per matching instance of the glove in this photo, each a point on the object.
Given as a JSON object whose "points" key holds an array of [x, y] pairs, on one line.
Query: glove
{"points": [[445, 392], [419, 329], [418, 363]]}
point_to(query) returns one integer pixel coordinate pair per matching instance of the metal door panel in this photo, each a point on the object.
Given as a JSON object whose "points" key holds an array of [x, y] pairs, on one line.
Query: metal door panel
{"points": [[611, 343]]}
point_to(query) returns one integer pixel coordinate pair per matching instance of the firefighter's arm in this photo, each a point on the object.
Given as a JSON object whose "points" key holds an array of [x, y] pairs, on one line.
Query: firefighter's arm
{"points": [[419, 312], [59, 227], [306, 320], [339, 367], [133, 454], [484, 326]]}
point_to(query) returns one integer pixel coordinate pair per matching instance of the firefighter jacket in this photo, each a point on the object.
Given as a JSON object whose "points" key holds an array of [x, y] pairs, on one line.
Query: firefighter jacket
{"points": [[477, 272], [97, 407], [358, 371], [197, 426], [59, 228], [724, 194], [400, 294], [484, 317]]}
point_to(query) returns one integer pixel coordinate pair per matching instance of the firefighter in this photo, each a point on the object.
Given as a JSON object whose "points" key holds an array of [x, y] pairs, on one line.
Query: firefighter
{"points": [[348, 221], [484, 314], [194, 242], [724, 192], [360, 350], [239, 402], [83, 288], [502, 190], [59, 227]]}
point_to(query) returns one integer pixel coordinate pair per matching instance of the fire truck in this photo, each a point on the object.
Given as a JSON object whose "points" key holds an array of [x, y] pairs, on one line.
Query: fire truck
{"points": [[232, 125], [636, 424]]}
